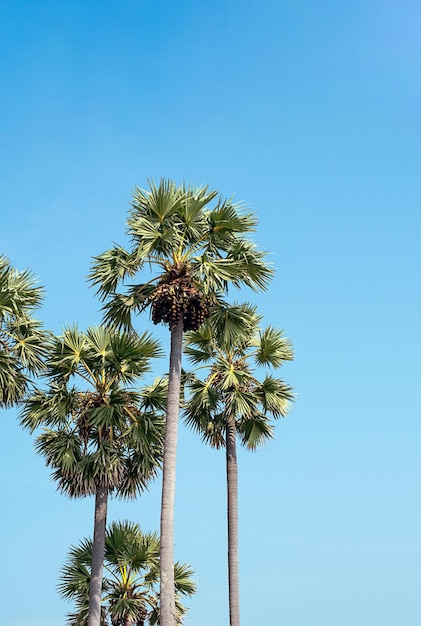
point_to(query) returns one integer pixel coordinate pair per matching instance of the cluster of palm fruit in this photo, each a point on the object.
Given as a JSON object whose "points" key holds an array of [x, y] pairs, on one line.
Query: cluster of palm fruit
{"points": [[86, 401], [178, 298]]}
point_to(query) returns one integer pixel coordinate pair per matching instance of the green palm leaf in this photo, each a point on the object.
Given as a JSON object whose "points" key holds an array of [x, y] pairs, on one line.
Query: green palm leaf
{"points": [[13, 382], [275, 396], [273, 348], [255, 431], [111, 267]]}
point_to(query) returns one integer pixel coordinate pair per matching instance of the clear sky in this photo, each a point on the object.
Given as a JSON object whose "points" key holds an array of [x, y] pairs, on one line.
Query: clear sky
{"points": [[309, 111]]}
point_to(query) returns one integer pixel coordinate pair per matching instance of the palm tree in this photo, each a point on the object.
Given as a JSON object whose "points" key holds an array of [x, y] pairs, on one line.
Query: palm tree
{"points": [[232, 402], [131, 574], [198, 244], [23, 343], [100, 438]]}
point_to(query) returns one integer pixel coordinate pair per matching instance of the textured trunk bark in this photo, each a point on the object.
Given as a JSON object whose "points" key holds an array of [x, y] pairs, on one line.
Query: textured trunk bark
{"points": [[232, 515], [167, 593], [95, 587]]}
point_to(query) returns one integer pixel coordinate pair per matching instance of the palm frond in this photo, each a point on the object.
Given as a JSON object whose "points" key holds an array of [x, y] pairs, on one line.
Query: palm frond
{"points": [[183, 579], [13, 382], [62, 452], [20, 294], [30, 343], [151, 239], [228, 220], [68, 351], [112, 267], [275, 396], [240, 402], [231, 374], [49, 408], [154, 396], [216, 274], [127, 545], [252, 266], [233, 325], [74, 580], [202, 416], [254, 431], [273, 348], [159, 203], [193, 210], [131, 355], [119, 309]]}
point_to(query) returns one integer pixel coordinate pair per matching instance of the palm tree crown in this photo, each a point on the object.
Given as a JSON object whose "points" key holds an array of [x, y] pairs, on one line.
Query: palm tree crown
{"points": [[23, 343], [129, 588], [197, 241], [229, 344], [101, 432]]}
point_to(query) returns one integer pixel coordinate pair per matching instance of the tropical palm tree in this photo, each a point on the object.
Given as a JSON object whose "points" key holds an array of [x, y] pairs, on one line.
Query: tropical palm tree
{"points": [[131, 574], [231, 401], [23, 343], [101, 437], [197, 243]]}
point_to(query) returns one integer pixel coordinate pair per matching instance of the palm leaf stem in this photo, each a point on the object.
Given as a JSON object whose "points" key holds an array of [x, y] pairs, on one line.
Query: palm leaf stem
{"points": [[111, 382], [193, 248], [130, 414], [90, 372], [155, 259], [5, 332]]}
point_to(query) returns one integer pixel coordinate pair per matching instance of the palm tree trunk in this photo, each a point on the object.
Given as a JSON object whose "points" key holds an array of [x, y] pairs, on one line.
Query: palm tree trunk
{"points": [[98, 550], [167, 593], [232, 514]]}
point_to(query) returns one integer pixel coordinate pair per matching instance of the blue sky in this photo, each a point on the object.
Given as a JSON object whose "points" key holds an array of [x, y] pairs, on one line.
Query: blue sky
{"points": [[310, 113]]}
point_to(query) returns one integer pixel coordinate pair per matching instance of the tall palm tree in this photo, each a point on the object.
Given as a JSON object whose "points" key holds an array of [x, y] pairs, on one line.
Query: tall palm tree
{"points": [[131, 574], [101, 437], [23, 343], [231, 401], [197, 243]]}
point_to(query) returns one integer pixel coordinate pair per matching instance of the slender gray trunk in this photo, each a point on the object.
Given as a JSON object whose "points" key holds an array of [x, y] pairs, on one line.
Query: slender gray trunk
{"points": [[232, 515], [98, 550], [167, 593]]}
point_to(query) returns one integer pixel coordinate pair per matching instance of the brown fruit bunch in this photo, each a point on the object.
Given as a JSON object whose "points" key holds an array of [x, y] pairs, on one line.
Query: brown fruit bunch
{"points": [[179, 299]]}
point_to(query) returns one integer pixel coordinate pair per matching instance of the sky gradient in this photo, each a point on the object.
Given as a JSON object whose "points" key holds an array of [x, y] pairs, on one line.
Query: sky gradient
{"points": [[310, 113]]}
